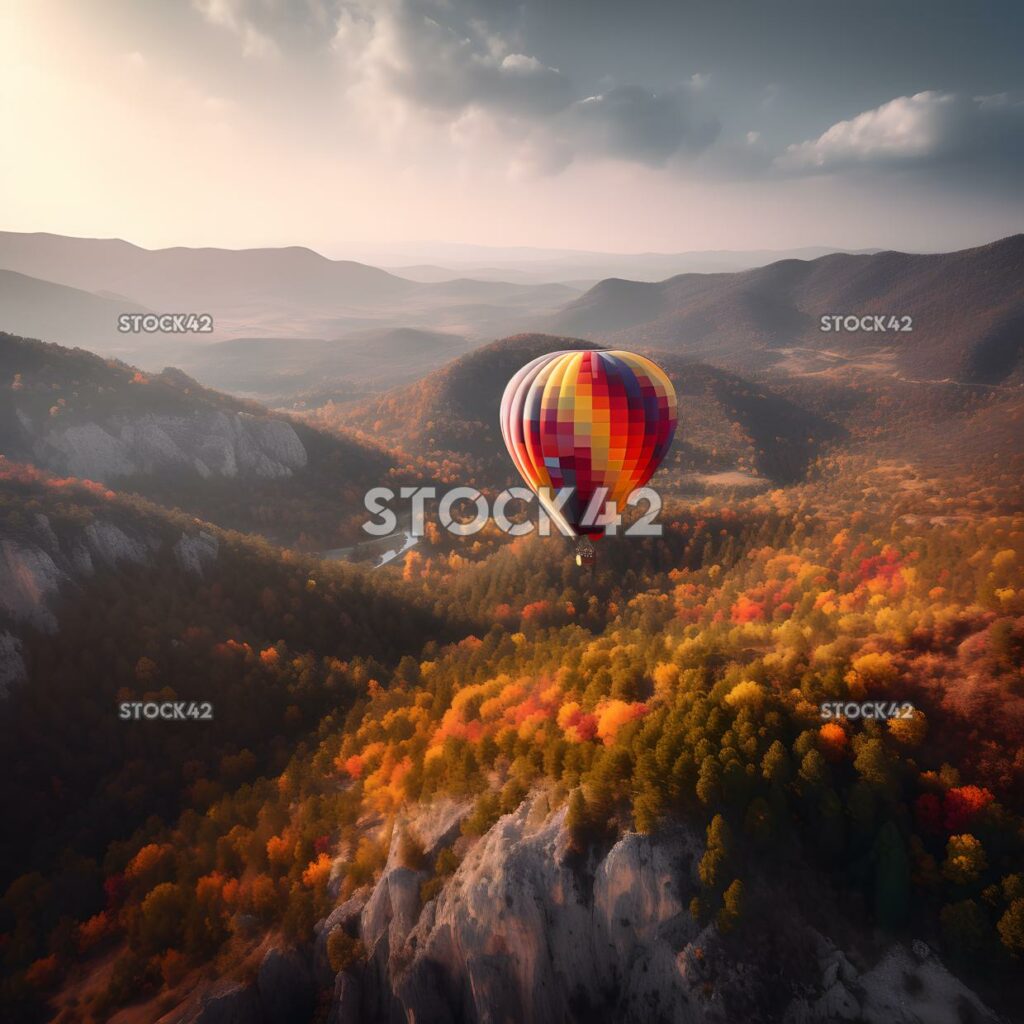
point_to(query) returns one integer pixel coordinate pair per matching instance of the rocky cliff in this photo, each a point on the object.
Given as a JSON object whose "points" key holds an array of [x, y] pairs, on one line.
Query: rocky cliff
{"points": [[521, 933], [72, 413], [210, 443], [524, 932], [36, 565]]}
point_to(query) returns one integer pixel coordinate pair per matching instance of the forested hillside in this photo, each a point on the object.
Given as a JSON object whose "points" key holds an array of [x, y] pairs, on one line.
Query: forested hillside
{"points": [[679, 683], [449, 418], [168, 438], [116, 600]]}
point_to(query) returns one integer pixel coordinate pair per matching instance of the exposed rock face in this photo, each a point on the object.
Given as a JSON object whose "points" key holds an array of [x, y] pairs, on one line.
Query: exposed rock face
{"points": [[12, 664], [641, 916], [30, 578], [36, 564], [211, 443], [907, 987], [110, 545], [285, 987], [224, 1003], [283, 993], [520, 935], [195, 552], [484, 928], [346, 1005], [517, 936], [438, 824]]}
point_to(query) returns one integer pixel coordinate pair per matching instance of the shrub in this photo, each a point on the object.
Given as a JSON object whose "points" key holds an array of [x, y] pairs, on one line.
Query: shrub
{"points": [[343, 951]]}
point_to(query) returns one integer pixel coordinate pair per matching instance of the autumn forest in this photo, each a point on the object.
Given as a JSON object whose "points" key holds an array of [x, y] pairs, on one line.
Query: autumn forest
{"points": [[386, 744]]}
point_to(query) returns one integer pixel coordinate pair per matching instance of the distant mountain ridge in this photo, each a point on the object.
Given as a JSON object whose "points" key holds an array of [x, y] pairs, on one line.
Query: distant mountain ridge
{"points": [[283, 292], [36, 308], [440, 262], [156, 276], [966, 310]]}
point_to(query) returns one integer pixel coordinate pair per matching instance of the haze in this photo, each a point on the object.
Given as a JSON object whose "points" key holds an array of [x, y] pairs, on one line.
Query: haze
{"points": [[372, 129]]}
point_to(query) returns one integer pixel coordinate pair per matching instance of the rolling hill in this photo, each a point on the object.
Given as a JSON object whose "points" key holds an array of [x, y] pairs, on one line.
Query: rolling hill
{"points": [[966, 308], [36, 308], [454, 410], [726, 423], [167, 437]]}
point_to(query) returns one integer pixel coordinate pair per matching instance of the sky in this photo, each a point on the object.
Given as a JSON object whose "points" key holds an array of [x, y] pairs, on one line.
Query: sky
{"points": [[349, 125]]}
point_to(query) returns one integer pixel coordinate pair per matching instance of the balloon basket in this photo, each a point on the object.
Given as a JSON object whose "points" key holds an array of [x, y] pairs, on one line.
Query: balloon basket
{"points": [[585, 552]]}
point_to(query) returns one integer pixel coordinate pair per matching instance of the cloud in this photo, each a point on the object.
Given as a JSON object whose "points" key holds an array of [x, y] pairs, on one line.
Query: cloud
{"points": [[639, 124], [447, 66], [465, 71], [437, 60], [234, 16], [928, 128]]}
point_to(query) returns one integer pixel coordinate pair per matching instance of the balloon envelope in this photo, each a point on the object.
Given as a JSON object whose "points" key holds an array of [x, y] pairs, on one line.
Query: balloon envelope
{"points": [[585, 421]]}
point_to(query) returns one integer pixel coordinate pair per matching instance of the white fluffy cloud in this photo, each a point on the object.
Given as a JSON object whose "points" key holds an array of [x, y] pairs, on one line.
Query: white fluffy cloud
{"points": [[928, 127]]}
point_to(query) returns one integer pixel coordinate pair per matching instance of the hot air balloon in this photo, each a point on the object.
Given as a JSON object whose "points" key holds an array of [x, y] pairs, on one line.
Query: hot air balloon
{"points": [[587, 420]]}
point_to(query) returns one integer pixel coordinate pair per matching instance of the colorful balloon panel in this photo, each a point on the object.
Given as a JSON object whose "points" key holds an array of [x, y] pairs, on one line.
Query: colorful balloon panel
{"points": [[586, 421]]}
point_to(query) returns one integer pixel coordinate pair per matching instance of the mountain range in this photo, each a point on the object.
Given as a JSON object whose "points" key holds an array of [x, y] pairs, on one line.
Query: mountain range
{"points": [[964, 311], [960, 314], [285, 292]]}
